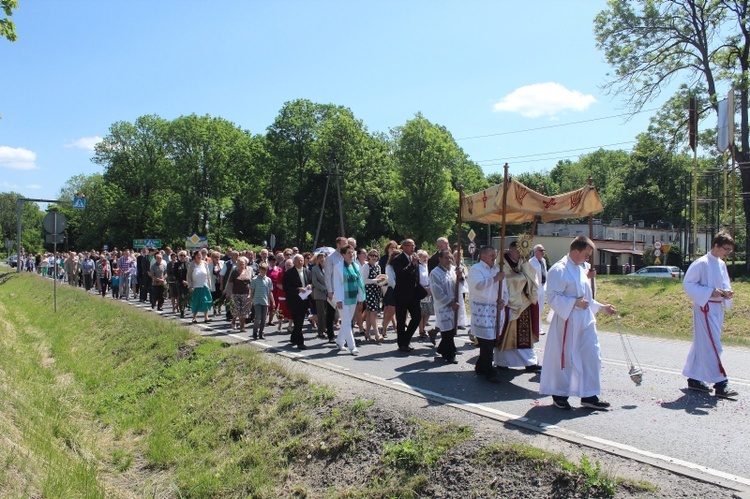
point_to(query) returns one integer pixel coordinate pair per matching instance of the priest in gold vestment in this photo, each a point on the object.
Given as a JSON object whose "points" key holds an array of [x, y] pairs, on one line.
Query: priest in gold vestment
{"points": [[515, 345]]}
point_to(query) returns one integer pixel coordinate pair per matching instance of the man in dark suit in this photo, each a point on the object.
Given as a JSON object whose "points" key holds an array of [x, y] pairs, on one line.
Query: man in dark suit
{"points": [[143, 267], [296, 280], [407, 293]]}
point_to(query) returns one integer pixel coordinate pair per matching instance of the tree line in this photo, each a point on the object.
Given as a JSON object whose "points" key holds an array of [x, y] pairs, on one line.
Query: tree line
{"points": [[316, 173]]}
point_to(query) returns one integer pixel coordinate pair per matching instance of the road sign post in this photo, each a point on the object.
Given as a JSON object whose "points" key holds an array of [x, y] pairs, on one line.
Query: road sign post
{"points": [[55, 223]]}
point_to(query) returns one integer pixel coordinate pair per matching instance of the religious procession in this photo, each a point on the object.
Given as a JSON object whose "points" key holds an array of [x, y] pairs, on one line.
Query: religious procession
{"points": [[348, 295]]}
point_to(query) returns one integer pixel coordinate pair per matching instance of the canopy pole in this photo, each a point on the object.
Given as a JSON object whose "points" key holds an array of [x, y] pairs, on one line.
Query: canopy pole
{"points": [[533, 226], [591, 236], [460, 258], [501, 253], [505, 207]]}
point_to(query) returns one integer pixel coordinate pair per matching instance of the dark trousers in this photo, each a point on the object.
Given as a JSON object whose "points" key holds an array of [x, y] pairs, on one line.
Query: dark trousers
{"points": [[259, 321], [326, 316], [484, 362], [157, 296], [447, 347], [145, 283], [103, 283], [404, 332], [87, 281], [298, 316]]}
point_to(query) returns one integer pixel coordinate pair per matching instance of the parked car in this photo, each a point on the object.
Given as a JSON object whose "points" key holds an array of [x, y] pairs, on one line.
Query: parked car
{"points": [[13, 261], [658, 271]]}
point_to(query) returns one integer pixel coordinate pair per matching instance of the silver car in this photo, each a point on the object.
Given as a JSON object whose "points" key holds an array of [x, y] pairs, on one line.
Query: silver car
{"points": [[658, 271]]}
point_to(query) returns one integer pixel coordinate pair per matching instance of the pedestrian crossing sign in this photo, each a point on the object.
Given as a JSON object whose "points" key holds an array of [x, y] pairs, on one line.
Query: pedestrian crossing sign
{"points": [[79, 202]]}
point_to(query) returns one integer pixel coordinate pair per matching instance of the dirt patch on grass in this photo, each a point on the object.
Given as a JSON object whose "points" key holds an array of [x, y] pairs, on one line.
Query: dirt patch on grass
{"points": [[469, 469], [492, 462]]}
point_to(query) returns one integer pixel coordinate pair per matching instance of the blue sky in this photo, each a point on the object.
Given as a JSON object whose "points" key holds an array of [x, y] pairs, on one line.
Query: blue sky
{"points": [[489, 69]]}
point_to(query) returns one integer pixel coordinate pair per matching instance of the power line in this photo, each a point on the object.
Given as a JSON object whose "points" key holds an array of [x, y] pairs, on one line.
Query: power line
{"points": [[554, 152], [557, 125]]}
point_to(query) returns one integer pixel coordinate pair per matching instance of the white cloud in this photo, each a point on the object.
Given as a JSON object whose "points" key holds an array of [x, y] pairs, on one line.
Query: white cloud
{"points": [[8, 185], [17, 158], [85, 142], [33, 186], [544, 99]]}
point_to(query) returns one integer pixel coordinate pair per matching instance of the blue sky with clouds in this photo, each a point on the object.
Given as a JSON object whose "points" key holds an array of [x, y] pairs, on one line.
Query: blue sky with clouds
{"points": [[505, 77]]}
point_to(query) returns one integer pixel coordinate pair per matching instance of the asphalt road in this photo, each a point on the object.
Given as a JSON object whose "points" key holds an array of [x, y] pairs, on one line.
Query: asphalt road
{"points": [[659, 422]]}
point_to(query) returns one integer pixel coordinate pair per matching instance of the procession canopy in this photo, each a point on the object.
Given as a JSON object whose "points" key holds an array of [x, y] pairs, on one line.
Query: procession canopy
{"points": [[524, 204]]}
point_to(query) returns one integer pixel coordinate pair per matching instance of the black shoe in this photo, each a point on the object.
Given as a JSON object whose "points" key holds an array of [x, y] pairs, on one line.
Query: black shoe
{"points": [[433, 334], [502, 368], [301, 346], [322, 336], [410, 348], [594, 403], [182, 314], [255, 336], [404, 349], [159, 309], [699, 386], [261, 336], [536, 368], [479, 371], [494, 379], [331, 340], [451, 360], [726, 393], [561, 403]]}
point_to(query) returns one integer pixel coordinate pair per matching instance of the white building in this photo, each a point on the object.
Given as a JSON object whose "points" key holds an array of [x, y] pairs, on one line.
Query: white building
{"points": [[617, 245]]}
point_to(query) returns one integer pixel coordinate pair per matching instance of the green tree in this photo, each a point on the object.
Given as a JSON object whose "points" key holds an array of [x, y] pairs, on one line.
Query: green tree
{"points": [[32, 234], [650, 187], [252, 215], [209, 156], [425, 204], [91, 228], [7, 27], [135, 157], [291, 143], [650, 43], [360, 164]]}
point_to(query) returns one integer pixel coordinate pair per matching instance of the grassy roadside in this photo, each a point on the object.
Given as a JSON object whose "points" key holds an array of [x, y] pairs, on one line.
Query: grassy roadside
{"points": [[101, 400], [660, 308]]}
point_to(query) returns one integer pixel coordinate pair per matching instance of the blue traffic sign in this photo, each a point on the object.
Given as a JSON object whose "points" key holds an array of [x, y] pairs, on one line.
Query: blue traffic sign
{"points": [[79, 202]]}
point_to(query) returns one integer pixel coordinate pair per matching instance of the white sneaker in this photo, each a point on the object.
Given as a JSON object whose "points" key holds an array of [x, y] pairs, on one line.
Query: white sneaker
{"points": [[354, 351], [341, 347]]}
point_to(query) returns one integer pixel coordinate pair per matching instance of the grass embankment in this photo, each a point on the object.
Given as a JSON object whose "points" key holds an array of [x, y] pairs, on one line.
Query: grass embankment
{"points": [[100, 400], [660, 307]]}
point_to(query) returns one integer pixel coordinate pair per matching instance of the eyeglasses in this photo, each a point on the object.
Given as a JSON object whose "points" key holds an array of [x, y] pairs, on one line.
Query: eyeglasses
{"points": [[728, 249], [541, 250]]}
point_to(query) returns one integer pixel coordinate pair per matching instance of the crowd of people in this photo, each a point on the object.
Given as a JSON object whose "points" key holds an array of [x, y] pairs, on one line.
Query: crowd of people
{"points": [[345, 287]]}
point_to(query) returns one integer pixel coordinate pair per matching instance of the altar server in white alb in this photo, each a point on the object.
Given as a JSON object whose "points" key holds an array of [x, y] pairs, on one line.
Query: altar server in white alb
{"points": [[707, 283], [572, 360], [485, 282]]}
